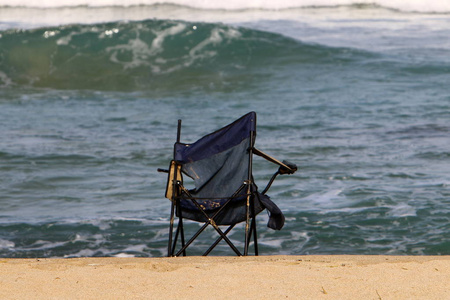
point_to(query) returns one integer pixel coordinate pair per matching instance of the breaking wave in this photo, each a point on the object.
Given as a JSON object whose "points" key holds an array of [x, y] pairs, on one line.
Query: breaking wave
{"points": [[149, 55]]}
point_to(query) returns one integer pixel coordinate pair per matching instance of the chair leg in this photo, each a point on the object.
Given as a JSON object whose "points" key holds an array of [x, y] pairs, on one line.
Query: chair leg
{"points": [[180, 229], [255, 236], [232, 246], [247, 229], [182, 232], [175, 240], [223, 236], [213, 224], [172, 219], [218, 240], [183, 249]]}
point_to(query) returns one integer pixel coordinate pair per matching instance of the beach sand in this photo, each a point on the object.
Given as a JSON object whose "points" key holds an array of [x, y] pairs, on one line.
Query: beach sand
{"points": [[263, 277]]}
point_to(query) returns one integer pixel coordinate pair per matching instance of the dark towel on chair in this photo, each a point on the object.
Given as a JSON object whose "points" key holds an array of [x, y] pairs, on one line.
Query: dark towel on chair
{"points": [[276, 217]]}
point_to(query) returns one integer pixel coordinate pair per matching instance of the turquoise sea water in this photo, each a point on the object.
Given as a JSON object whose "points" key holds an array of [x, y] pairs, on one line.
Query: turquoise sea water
{"points": [[357, 96]]}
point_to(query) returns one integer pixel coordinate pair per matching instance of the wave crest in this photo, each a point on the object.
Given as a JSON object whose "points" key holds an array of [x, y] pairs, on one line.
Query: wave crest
{"points": [[147, 55]]}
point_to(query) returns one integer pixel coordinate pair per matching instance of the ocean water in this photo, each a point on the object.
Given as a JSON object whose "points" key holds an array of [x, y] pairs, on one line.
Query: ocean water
{"points": [[357, 95]]}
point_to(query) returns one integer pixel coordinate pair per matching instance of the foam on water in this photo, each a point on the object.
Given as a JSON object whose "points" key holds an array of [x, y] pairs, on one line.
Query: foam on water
{"points": [[411, 5], [5, 244], [402, 210]]}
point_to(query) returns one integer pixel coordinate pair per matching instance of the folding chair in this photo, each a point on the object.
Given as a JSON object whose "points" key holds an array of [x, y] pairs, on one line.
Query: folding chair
{"points": [[220, 165]]}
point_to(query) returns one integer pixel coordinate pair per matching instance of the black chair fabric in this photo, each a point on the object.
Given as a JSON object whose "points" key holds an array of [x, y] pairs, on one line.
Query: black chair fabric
{"points": [[219, 165]]}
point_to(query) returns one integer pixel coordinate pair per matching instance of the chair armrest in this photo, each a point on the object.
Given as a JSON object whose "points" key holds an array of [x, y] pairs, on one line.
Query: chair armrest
{"points": [[287, 168]]}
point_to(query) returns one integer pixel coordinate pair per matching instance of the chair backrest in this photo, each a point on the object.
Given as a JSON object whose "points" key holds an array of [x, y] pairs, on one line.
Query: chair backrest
{"points": [[219, 162]]}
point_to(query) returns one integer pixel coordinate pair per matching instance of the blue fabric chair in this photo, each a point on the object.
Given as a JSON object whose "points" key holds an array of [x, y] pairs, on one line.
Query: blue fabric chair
{"points": [[220, 165]]}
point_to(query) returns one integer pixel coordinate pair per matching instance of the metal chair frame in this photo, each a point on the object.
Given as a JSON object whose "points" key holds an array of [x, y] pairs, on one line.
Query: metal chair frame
{"points": [[176, 191]]}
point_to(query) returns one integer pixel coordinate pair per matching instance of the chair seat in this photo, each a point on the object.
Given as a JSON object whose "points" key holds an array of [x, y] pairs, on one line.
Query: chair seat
{"points": [[235, 212]]}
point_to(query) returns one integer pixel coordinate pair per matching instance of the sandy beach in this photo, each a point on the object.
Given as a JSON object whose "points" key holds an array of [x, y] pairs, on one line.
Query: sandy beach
{"points": [[263, 277]]}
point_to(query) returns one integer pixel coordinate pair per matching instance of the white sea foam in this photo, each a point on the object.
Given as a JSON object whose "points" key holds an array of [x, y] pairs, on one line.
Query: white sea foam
{"points": [[87, 253], [6, 244], [4, 80], [275, 243], [143, 54], [402, 210], [403, 5], [326, 200], [123, 255], [31, 14]]}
